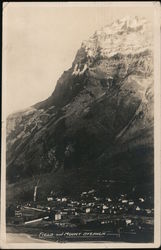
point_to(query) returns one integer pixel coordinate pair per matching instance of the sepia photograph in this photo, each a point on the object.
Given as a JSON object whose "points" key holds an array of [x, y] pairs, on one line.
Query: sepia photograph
{"points": [[80, 122]]}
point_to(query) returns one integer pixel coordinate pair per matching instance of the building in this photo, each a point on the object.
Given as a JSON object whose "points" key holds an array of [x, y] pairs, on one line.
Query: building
{"points": [[18, 213], [64, 199], [88, 210], [49, 198], [58, 216]]}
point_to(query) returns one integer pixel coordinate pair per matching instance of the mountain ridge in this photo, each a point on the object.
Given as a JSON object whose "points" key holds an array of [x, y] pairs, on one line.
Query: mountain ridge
{"points": [[98, 119]]}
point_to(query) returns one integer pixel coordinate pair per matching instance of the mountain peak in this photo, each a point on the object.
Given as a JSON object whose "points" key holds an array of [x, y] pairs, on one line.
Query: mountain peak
{"points": [[129, 35]]}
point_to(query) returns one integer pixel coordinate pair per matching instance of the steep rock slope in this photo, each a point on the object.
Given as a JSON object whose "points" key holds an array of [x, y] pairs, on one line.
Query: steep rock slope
{"points": [[98, 122]]}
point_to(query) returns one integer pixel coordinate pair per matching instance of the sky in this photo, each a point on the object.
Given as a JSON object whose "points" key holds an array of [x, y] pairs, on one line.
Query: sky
{"points": [[40, 41]]}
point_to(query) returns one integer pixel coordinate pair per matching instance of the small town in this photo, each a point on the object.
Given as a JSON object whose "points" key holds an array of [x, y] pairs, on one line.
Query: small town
{"points": [[113, 215]]}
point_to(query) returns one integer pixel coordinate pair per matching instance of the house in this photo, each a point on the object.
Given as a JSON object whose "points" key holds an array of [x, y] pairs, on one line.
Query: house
{"points": [[18, 213], [58, 216], [88, 210], [124, 201], [63, 213], [148, 211], [49, 198], [128, 221], [48, 208], [83, 193], [91, 191], [141, 199], [64, 199]]}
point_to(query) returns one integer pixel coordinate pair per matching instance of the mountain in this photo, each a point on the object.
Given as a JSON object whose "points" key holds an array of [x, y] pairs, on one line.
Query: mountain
{"points": [[96, 125]]}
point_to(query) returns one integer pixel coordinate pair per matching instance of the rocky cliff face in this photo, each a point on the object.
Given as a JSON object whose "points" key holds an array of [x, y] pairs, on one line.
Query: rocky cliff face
{"points": [[98, 122]]}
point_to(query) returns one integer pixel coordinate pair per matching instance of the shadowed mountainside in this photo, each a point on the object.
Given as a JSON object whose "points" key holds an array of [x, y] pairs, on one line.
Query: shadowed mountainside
{"points": [[97, 124]]}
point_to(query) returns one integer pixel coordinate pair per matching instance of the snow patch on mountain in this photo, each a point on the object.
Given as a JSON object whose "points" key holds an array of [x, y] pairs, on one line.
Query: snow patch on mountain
{"points": [[129, 35]]}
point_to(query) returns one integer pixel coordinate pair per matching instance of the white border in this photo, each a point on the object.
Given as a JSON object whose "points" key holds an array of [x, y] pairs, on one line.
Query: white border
{"points": [[157, 125], [86, 4]]}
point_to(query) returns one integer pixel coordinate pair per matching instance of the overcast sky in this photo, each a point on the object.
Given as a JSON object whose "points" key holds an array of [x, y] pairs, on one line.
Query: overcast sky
{"points": [[40, 42]]}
